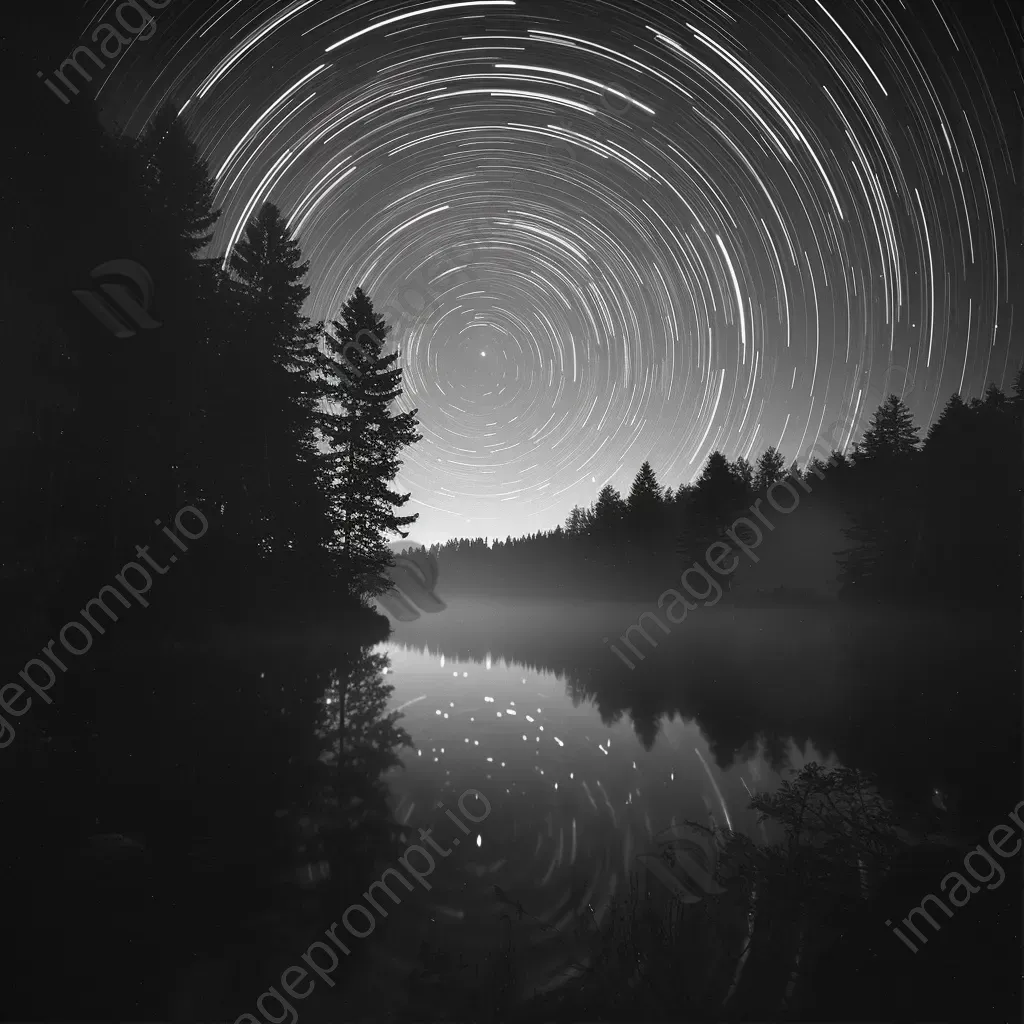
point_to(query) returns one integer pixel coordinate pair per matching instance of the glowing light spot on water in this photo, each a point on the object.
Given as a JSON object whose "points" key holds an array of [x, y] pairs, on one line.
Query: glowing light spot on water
{"points": [[491, 759], [556, 785], [560, 743], [529, 718], [451, 704], [456, 674], [673, 776], [464, 675], [479, 841], [570, 773], [502, 764], [476, 743], [489, 700], [509, 711], [466, 740], [419, 753], [499, 714], [524, 736], [438, 711], [446, 714]]}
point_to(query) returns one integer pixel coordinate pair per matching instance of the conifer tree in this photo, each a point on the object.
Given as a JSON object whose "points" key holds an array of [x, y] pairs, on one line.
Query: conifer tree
{"points": [[176, 182], [575, 524], [770, 468], [888, 532], [186, 353], [273, 361], [644, 506], [743, 472], [892, 434], [607, 514], [719, 493], [365, 437]]}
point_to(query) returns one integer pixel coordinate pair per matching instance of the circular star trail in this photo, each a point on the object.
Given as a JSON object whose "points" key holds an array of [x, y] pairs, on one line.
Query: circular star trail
{"points": [[610, 232]]}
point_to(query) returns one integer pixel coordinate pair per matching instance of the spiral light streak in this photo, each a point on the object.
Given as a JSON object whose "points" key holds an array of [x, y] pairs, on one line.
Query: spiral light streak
{"points": [[606, 232]]}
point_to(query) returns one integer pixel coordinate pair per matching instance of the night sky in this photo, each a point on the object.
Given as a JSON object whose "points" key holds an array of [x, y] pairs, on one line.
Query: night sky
{"points": [[613, 231]]}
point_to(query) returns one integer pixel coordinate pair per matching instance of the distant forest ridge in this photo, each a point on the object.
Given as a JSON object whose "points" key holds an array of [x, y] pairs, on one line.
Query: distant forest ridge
{"points": [[897, 517]]}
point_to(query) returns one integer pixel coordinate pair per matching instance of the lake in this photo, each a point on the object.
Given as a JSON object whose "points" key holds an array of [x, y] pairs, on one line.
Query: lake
{"points": [[584, 761]]}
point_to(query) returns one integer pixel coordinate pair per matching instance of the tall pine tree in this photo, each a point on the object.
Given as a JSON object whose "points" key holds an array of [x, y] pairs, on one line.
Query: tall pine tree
{"points": [[273, 365], [770, 468], [644, 508], [891, 435], [365, 438]]}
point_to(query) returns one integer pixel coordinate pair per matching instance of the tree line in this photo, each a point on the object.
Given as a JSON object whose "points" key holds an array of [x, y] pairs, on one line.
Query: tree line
{"points": [[279, 429], [936, 517], [184, 733]]}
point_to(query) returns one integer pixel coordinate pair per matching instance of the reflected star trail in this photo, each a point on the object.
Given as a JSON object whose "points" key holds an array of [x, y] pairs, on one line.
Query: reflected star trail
{"points": [[610, 232]]}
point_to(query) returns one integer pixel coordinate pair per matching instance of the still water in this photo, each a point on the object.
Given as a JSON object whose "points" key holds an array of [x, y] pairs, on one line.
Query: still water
{"points": [[574, 805], [583, 763]]}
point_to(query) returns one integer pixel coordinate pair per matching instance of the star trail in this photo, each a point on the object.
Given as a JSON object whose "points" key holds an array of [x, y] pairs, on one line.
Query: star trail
{"points": [[613, 231]]}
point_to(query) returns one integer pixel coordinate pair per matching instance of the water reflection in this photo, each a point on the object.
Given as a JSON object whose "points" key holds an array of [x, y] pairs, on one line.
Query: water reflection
{"points": [[578, 794], [896, 692]]}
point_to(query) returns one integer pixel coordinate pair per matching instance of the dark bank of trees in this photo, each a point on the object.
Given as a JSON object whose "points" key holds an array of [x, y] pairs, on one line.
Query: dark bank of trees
{"points": [[236, 404], [188, 723], [936, 518]]}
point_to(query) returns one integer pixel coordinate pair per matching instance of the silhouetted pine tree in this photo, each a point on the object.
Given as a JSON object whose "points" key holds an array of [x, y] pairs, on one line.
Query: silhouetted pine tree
{"points": [[366, 438], [575, 524], [744, 474], [719, 493], [606, 516], [888, 534], [644, 508], [770, 468], [177, 193], [891, 435], [274, 356]]}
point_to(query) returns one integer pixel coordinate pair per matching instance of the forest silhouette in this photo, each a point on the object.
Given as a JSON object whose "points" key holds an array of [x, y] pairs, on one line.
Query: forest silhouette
{"points": [[933, 520], [168, 817], [204, 759]]}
